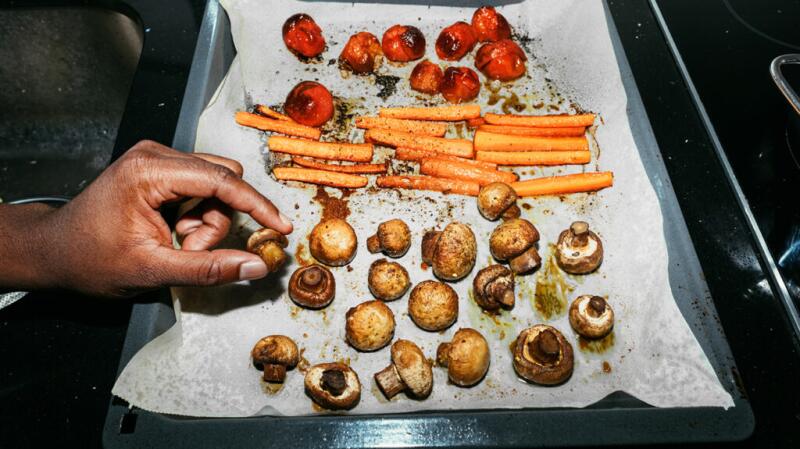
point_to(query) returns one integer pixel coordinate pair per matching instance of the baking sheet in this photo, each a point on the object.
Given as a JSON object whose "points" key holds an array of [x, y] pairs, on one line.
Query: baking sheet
{"points": [[200, 367]]}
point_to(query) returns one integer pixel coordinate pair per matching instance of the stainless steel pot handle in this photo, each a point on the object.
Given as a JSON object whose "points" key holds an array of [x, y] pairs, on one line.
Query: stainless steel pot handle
{"points": [[777, 76]]}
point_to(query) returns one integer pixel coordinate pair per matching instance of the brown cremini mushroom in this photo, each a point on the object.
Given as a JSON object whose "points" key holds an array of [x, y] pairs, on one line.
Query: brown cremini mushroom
{"points": [[369, 326], [591, 316], [393, 238], [410, 371], [433, 305], [450, 252], [387, 280], [543, 356], [497, 200], [466, 357], [313, 286], [333, 242], [579, 250], [274, 355], [515, 241], [269, 245], [493, 287], [334, 386]]}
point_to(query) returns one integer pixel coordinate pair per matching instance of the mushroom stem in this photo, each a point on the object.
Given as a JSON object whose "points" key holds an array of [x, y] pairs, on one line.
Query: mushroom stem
{"points": [[580, 234], [429, 241], [507, 298], [312, 277], [525, 262], [442, 354], [513, 211], [272, 255], [374, 244], [545, 347], [274, 372], [333, 382], [389, 381], [597, 305]]}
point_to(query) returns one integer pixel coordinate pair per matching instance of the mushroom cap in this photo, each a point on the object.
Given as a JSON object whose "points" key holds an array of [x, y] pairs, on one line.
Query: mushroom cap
{"points": [[491, 287], [388, 280], [540, 372], [512, 237], [454, 253], [349, 397], [466, 357], [574, 257], [433, 305], [369, 326], [264, 235], [591, 316], [275, 349], [413, 368], [393, 238], [333, 242], [314, 296], [494, 199]]}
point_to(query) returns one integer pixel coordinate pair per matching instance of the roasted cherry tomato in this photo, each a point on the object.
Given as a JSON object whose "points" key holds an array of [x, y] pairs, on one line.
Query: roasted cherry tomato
{"points": [[456, 41], [309, 103], [490, 25], [460, 84], [502, 60], [426, 77], [403, 43], [362, 53], [303, 36]]}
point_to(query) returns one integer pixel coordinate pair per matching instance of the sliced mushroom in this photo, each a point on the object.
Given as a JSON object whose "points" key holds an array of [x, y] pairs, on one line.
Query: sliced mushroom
{"points": [[388, 280], [313, 286], [515, 241], [493, 288], [543, 356], [369, 326], [333, 386], [269, 245], [591, 316], [497, 200], [450, 252], [410, 371], [333, 242], [274, 355], [466, 357], [393, 238], [579, 250], [433, 305]]}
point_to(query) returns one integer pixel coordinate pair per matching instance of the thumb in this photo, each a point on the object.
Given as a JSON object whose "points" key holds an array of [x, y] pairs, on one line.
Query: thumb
{"points": [[205, 268]]}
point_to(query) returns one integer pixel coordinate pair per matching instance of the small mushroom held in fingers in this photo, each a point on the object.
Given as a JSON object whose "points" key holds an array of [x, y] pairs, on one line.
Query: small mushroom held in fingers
{"points": [[274, 355], [334, 386], [312, 287], [515, 241], [497, 200], [543, 356], [591, 316], [410, 371], [333, 242], [451, 252], [369, 326], [393, 238], [387, 280], [269, 244], [493, 288], [466, 357], [433, 305], [579, 250]]}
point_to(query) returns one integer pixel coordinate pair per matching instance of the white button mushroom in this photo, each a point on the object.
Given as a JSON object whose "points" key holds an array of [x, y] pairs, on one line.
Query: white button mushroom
{"points": [[369, 326], [466, 357], [433, 305], [275, 354], [543, 356], [410, 371], [591, 316], [393, 238], [579, 250], [333, 386]]}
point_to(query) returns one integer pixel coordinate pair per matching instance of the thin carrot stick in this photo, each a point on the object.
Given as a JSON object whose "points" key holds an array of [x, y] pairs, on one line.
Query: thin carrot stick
{"points": [[457, 170], [326, 178], [429, 183], [423, 127], [409, 154], [485, 141], [357, 168], [354, 152], [475, 122], [540, 120], [534, 157], [446, 113], [454, 147], [572, 131], [278, 126], [558, 185], [265, 110]]}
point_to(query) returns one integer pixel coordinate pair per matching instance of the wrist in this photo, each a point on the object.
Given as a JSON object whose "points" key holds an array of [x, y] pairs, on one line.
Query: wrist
{"points": [[24, 240]]}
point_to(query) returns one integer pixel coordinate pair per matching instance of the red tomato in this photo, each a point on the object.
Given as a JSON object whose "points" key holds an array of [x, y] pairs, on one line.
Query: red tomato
{"points": [[490, 25], [302, 36], [456, 41], [361, 53], [403, 43], [460, 84], [426, 77], [502, 60], [309, 103]]}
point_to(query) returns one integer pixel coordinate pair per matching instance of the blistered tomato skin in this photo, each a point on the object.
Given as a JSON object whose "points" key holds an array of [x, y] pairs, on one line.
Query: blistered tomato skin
{"points": [[362, 53], [456, 41], [403, 43], [426, 78], [309, 103], [460, 85], [490, 25], [303, 36], [502, 60]]}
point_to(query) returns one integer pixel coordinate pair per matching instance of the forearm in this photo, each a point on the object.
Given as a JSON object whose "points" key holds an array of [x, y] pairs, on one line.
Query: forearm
{"points": [[23, 247]]}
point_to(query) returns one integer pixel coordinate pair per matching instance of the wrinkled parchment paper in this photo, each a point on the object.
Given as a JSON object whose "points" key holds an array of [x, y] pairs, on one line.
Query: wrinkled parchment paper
{"points": [[201, 366]]}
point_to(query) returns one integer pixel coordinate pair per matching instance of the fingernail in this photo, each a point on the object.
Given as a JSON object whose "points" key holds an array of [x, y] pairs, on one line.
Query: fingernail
{"points": [[284, 219], [254, 269]]}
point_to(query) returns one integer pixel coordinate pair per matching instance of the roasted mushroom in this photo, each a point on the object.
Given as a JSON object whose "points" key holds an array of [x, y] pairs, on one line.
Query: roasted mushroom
{"points": [[334, 386], [466, 357], [450, 252], [426, 77], [313, 286], [542, 355], [456, 41], [403, 43], [303, 36], [369, 326], [514, 241], [393, 238], [591, 316], [502, 60], [362, 53], [309, 103], [493, 287], [433, 305], [579, 250], [269, 245], [497, 200], [274, 355], [388, 280], [333, 242], [490, 25], [410, 371], [460, 85]]}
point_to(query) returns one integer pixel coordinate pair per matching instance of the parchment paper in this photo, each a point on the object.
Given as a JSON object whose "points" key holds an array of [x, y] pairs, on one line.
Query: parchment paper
{"points": [[201, 366]]}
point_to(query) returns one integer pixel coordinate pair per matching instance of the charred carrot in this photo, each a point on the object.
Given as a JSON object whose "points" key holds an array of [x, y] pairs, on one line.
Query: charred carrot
{"points": [[454, 147], [485, 141], [265, 110], [540, 120], [408, 154], [353, 152], [458, 170], [322, 177], [534, 157], [559, 185], [429, 183], [356, 168], [427, 128], [278, 126], [571, 131], [445, 113]]}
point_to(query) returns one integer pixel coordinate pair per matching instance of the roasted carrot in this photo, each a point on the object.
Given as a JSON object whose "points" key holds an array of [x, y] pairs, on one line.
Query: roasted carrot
{"points": [[475, 122], [278, 126], [454, 147], [429, 183], [409, 154], [572, 131], [265, 110], [485, 141], [534, 157], [445, 113], [540, 120], [313, 176], [423, 127], [459, 170], [356, 168], [558, 185], [354, 152]]}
